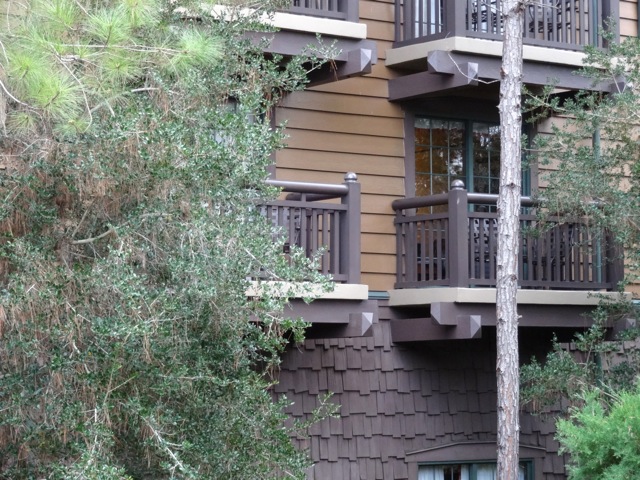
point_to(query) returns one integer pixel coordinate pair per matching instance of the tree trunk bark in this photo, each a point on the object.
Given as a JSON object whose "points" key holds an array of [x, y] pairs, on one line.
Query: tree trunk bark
{"points": [[507, 368]]}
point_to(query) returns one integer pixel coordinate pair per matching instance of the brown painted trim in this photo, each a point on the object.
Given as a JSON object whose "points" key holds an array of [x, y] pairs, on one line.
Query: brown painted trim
{"points": [[335, 318], [410, 153], [425, 329], [289, 43], [451, 320], [424, 83], [534, 74]]}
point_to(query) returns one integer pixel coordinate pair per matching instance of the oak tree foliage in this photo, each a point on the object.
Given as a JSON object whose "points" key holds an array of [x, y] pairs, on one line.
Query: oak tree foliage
{"points": [[593, 174], [134, 138]]}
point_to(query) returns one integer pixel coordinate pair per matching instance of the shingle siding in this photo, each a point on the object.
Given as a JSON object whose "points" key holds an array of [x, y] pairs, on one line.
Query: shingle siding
{"points": [[396, 399]]}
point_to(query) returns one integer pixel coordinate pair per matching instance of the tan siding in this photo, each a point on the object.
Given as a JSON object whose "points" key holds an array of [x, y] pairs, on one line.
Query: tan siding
{"points": [[628, 10], [341, 142], [378, 263], [368, 86], [332, 162], [377, 107], [339, 122], [380, 30], [351, 126], [374, 223], [628, 18], [374, 185], [374, 242], [377, 281]]}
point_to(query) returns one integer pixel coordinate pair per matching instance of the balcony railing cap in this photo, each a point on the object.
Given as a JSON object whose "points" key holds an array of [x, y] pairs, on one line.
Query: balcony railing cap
{"points": [[350, 177], [457, 185]]}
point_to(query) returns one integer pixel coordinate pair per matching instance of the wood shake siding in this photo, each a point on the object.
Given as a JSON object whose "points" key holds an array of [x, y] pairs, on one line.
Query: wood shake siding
{"points": [[395, 400], [351, 126]]}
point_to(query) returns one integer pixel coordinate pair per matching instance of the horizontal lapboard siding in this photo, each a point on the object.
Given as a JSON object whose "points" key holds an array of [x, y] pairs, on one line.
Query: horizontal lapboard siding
{"points": [[351, 126], [628, 18]]}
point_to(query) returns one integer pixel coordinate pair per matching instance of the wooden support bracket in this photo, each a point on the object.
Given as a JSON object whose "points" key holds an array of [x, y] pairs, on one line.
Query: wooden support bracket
{"points": [[427, 329]]}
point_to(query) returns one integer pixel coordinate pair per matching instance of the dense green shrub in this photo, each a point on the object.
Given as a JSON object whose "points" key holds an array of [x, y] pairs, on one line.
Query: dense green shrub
{"points": [[137, 138], [604, 441]]}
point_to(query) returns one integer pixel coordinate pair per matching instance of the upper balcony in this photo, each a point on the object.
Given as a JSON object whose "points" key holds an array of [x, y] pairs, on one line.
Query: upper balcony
{"points": [[448, 243], [336, 9], [562, 24], [459, 44], [323, 220], [328, 29], [450, 240]]}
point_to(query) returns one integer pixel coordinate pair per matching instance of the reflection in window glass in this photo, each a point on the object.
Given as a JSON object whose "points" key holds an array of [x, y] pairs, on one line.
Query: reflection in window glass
{"points": [[446, 150], [439, 154], [485, 158]]}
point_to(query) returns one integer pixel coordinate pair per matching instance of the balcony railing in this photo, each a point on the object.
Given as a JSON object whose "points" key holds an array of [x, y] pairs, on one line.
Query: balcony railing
{"points": [[311, 221], [339, 9], [456, 246], [566, 24]]}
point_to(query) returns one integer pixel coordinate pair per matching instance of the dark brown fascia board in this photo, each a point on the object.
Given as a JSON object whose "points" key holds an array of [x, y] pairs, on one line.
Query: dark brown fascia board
{"points": [[335, 318], [420, 84], [443, 67], [452, 321], [354, 56], [359, 62], [531, 315], [426, 329]]}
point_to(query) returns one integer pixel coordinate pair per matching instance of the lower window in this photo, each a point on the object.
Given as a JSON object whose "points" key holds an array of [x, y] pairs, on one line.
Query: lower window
{"points": [[468, 471]]}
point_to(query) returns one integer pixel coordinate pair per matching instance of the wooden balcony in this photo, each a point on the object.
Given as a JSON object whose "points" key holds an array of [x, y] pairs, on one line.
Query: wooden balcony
{"points": [[337, 9], [563, 24], [321, 219], [450, 240]]}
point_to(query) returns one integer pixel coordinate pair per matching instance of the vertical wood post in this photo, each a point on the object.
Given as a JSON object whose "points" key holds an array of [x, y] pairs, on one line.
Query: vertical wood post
{"points": [[614, 261], [350, 230], [458, 236], [351, 10], [611, 9], [409, 20], [455, 18], [397, 17]]}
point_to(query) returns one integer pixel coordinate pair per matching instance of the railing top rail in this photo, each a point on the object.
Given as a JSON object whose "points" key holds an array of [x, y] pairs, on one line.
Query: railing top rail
{"points": [[417, 202], [336, 190], [442, 199], [492, 199]]}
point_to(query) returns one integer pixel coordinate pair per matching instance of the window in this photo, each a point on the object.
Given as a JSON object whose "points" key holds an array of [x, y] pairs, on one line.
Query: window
{"points": [[446, 150], [468, 471]]}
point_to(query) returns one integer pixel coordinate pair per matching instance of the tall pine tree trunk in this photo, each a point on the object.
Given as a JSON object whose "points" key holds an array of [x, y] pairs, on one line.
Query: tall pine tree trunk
{"points": [[508, 241]]}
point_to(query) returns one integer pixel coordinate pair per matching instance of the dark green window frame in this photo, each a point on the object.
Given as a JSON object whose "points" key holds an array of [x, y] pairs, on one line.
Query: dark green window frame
{"points": [[446, 149]]}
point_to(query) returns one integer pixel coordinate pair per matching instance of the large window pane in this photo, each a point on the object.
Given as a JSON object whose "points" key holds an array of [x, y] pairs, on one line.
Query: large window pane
{"points": [[439, 154], [446, 150]]}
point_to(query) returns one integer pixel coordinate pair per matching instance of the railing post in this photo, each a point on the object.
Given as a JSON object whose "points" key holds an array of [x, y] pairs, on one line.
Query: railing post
{"points": [[454, 17], [458, 233], [610, 9], [614, 261], [408, 20], [350, 230], [351, 10]]}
